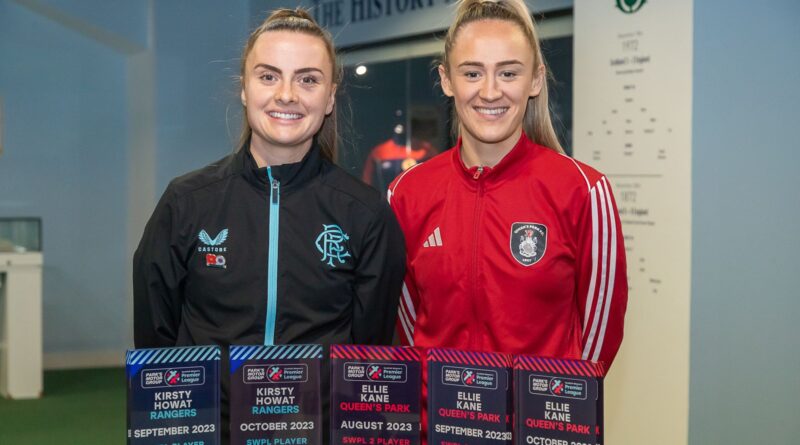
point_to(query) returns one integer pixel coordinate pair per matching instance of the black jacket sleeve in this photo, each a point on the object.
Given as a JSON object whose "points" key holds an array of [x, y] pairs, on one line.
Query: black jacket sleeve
{"points": [[379, 275], [158, 274]]}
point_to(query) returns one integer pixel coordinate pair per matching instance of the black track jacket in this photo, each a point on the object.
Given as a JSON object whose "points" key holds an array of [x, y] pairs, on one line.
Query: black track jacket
{"points": [[296, 253]]}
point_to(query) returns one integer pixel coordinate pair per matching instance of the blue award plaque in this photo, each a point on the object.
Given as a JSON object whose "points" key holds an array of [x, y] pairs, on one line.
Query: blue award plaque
{"points": [[375, 395], [173, 396], [558, 401], [275, 395], [469, 397]]}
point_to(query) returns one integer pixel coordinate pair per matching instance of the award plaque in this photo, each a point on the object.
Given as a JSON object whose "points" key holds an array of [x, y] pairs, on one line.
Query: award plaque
{"points": [[469, 397], [558, 401], [275, 395], [375, 395], [173, 395]]}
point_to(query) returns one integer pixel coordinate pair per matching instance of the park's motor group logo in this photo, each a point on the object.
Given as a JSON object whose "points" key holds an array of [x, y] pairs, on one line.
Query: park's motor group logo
{"points": [[375, 372], [469, 377], [275, 373], [160, 378], [557, 386]]}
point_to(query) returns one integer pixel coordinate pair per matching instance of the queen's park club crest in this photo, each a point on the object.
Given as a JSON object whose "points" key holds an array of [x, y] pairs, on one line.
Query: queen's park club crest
{"points": [[528, 242], [630, 6]]}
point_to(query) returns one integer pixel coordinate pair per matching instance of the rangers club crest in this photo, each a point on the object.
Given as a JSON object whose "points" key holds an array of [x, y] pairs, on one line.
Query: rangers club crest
{"points": [[332, 244], [528, 242]]}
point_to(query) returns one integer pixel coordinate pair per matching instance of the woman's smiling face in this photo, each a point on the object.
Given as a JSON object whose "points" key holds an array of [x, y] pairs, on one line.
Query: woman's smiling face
{"points": [[287, 89], [490, 77]]}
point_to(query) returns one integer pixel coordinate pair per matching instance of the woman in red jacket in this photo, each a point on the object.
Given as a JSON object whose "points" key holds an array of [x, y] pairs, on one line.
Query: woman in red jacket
{"points": [[512, 246]]}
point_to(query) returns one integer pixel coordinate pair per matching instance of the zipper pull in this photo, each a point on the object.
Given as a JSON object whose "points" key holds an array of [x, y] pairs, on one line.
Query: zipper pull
{"points": [[274, 194], [274, 184], [477, 173]]}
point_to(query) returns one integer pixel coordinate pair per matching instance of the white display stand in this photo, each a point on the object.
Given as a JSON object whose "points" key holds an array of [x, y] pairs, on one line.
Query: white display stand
{"points": [[21, 325]]}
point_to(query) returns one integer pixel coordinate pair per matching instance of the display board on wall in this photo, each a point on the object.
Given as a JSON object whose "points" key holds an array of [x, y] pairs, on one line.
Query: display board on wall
{"points": [[632, 121], [357, 22]]}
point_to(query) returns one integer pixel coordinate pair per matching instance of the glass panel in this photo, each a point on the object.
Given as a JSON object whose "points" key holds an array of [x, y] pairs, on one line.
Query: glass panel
{"points": [[396, 114], [20, 235], [398, 118], [558, 55]]}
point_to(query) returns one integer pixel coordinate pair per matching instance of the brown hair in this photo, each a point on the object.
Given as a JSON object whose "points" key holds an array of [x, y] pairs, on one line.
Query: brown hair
{"points": [[297, 20], [536, 123]]}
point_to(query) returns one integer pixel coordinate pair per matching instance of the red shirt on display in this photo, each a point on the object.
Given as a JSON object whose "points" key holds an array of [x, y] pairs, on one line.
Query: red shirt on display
{"points": [[388, 159]]}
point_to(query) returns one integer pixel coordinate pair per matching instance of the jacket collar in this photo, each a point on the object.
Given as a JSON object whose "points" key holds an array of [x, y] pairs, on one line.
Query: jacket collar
{"points": [[289, 175], [489, 177]]}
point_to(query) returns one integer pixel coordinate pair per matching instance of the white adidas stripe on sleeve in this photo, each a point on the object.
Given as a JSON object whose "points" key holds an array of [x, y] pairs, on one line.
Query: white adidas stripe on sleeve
{"points": [[599, 308], [593, 280], [612, 265]]}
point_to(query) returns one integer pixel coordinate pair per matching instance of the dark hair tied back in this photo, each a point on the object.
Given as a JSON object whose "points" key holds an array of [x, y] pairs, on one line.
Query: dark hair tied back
{"points": [[298, 20]]}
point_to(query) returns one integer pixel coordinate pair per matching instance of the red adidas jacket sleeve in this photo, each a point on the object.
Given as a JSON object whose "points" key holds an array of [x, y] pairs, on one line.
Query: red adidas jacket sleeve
{"points": [[602, 284]]}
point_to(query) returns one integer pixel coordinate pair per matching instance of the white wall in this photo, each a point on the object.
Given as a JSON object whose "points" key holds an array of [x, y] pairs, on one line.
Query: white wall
{"points": [[64, 137], [745, 347], [103, 104]]}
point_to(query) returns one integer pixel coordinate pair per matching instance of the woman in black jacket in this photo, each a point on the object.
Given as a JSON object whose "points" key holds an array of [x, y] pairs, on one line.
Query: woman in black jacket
{"points": [[273, 244]]}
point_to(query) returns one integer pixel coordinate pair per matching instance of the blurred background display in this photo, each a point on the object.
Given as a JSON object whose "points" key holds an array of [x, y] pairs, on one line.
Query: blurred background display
{"points": [[20, 235]]}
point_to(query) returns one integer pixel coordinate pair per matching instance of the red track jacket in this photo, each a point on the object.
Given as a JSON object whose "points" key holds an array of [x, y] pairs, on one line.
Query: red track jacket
{"points": [[524, 257]]}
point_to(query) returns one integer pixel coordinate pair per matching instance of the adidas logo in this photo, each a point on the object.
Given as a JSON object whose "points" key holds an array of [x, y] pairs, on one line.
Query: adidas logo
{"points": [[434, 239]]}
